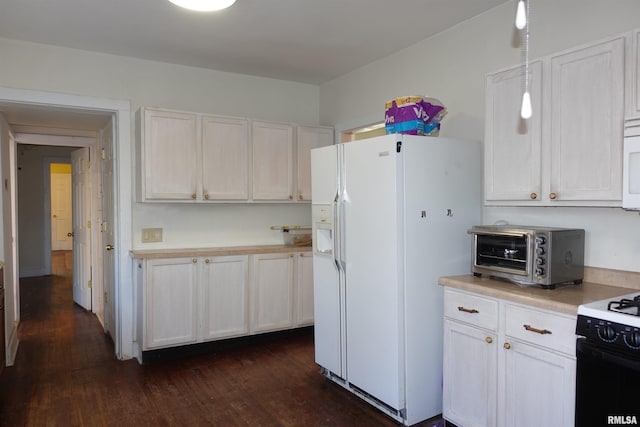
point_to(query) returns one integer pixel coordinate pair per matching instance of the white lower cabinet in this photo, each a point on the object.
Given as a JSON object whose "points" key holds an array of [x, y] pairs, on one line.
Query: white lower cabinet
{"points": [[224, 295], [470, 373], [506, 364], [304, 289], [187, 300], [170, 302], [272, 292]]}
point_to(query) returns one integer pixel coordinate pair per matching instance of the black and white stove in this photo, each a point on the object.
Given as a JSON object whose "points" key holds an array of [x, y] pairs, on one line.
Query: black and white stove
{"points": [[608, 362], [614, 322]]}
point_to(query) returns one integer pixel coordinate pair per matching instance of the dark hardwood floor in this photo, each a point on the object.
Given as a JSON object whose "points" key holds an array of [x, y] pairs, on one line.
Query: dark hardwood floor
{"points": [[65, 374]]}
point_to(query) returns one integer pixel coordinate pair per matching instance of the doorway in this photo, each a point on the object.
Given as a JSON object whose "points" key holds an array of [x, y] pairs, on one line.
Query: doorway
{"points": [[55, 210], [33, 114]]}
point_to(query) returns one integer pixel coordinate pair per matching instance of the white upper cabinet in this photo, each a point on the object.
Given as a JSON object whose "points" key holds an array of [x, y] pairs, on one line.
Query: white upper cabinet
{"points": [[633, 76], [308, 138], [586, 123], [570, 152], [169, 156], [225, 158], [513, 146], [201, 158], [272, 161]]}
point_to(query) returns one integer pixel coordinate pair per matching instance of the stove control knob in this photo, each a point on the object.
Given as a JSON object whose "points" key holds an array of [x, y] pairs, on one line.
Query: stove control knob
{"points": [[540, 261], [541, 240], [540, 251], [539, 271], [607, 333], [632, 339]]}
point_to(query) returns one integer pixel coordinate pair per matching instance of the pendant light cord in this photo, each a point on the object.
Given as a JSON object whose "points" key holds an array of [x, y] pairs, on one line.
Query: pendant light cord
{"points": [[526, 50]]}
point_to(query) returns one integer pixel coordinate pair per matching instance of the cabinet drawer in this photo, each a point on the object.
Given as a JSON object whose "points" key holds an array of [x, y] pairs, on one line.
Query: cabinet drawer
{"points": [[478, 311], [545, 329]]}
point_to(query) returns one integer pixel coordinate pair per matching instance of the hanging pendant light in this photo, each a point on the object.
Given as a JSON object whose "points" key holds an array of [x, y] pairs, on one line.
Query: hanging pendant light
{"points": [[521, 16], [203, 5], [522, 23]]}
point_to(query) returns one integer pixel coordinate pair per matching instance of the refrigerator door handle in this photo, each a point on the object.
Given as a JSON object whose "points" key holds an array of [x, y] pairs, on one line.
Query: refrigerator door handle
{"points": [[340, 220]]}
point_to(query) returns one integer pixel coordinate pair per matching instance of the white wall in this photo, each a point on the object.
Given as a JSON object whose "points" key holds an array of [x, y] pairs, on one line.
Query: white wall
{"points": [[452, 66], [147, 83]]}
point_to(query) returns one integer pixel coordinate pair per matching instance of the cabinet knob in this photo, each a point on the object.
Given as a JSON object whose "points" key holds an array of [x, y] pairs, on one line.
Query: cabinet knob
{"points": [[489, 340], [194, 260], [300, 196], [193, 196], [506, 346], [206, 261], [553, 196], [290, 255], [206, 196], [290, 197], [533, 196]]}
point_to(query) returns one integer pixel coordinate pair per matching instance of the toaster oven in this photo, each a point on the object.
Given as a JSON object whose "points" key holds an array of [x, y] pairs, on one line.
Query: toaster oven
{"points": [[540, 256]]}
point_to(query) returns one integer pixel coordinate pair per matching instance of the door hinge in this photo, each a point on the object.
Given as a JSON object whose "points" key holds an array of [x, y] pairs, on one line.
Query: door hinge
{"points": [[103, 154], [398, 146], [88, 165], [90, 284], [106, 298], [89, 224]]}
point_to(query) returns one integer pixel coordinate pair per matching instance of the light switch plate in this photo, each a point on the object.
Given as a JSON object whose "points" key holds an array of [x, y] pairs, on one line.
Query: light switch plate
{"points": [[151, 235]]}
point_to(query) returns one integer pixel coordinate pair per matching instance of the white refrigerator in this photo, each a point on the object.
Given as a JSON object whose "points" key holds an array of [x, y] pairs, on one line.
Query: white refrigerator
{"points": [[390, 215]]}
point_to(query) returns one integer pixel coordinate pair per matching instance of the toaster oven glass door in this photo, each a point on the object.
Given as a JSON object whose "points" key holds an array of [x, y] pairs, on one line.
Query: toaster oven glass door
{"points": [[502, 252]]}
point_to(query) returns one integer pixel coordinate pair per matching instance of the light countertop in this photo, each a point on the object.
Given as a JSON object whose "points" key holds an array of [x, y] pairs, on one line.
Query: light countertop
{"points": [[215, 251], [564, 299]]}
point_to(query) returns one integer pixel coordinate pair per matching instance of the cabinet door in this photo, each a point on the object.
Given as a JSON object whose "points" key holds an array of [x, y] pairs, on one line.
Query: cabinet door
{"points": [[538, 387], [308, 138], [170, 162], [225, 286], [513, 146], [225, 158], [470, 376], [272, 161], [272, 292], [304, 289], [586, 119], [170, 302], [633, 103]]}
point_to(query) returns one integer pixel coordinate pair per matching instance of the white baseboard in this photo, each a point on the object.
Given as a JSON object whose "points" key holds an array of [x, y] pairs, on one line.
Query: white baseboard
{"points": [[12, 345]]}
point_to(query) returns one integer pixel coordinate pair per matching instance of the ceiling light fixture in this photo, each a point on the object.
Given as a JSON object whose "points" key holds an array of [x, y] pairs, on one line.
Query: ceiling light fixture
{"points": [[203, 5]]}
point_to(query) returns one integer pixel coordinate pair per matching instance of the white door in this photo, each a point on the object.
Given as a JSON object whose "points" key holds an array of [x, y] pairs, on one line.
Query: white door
{"points": [[107, 229], [61, 225], [81, 182], [373, 272]]}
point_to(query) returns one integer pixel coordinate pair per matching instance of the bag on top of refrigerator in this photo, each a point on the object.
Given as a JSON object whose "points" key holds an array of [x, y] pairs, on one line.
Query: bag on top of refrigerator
{"points": [[414, 115]]}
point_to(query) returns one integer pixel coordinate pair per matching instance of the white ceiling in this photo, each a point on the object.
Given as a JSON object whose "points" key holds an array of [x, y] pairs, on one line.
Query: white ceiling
{"points": [[309, 41]]}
